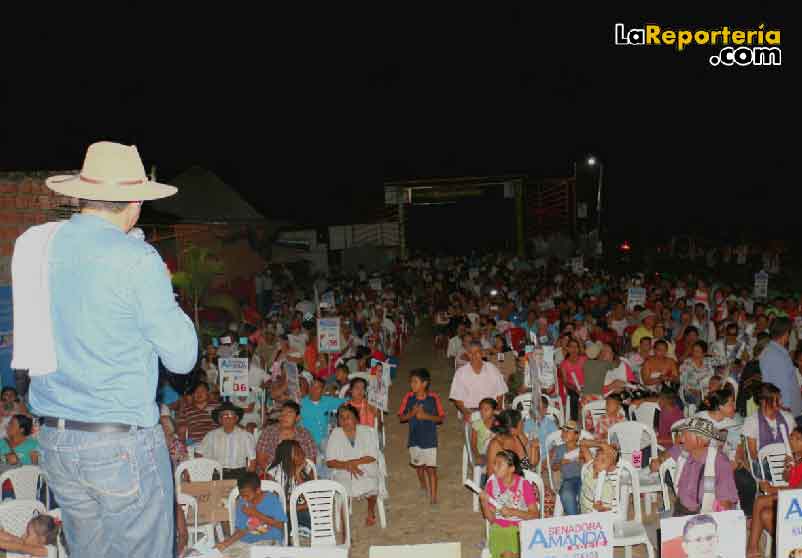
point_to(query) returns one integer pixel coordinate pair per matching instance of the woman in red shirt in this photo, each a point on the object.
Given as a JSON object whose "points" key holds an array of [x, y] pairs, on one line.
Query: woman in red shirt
{"points": [[572, 371]]}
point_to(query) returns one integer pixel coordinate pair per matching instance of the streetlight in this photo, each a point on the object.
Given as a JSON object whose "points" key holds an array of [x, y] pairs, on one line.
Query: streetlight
{"points": [[593, 161]]}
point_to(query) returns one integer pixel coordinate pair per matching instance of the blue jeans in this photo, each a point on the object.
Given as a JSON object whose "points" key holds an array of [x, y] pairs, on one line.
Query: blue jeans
{"points": [[569, 495], [115, 491]]}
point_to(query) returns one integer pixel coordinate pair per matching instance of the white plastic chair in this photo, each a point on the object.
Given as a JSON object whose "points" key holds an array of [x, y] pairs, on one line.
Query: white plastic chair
{"points": [[595, 408], [266, 486], [644, 413], [630, 437], [470, 464], [525, 402], [669, 466], [557, 414], [189, 505], [774, 454], [628, 533], [26, 480], [322, 497], [14, 517], [199, 469]]}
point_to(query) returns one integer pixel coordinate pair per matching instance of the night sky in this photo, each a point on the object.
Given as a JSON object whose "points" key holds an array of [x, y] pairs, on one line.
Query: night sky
{"points": [[307, 113]]}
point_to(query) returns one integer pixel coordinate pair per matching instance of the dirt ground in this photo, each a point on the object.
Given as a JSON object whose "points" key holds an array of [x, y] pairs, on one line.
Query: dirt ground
{"points": [[410, 518]]}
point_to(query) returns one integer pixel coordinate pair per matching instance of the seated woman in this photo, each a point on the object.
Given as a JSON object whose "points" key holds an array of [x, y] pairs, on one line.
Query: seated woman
{"points": [[19, 447], [352, 454], [508, 430], [514, 499], [41, 531], [367, 412], [765, 510], [290, 469]]}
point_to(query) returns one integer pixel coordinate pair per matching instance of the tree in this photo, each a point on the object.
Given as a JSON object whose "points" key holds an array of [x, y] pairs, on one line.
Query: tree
{"points": [[198, 270]]}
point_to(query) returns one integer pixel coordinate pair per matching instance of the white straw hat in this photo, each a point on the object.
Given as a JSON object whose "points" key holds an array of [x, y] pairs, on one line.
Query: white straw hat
{"points": [[111, 172]]}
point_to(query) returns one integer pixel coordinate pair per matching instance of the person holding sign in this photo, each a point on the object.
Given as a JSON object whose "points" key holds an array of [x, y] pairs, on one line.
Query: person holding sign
{"points": [[507, 500], [765, 509]]}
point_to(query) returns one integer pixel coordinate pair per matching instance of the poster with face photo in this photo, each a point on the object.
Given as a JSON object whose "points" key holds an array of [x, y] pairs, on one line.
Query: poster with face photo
{"points": [[712, 535]]}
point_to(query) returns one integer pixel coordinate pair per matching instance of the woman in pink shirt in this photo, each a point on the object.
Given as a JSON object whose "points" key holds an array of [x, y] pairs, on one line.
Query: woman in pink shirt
{"points": [[572, 371]]}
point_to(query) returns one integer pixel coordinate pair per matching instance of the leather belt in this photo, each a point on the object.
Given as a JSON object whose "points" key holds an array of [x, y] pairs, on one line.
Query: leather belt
{"points": [[100, 427]]}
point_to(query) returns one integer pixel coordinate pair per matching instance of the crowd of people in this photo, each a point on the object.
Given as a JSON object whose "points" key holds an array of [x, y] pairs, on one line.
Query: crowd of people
{"points": [[720, 368]]}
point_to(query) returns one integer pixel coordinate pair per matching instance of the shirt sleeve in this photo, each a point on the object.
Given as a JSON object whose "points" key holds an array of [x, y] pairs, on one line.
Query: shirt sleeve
{"points": [[164, 325], [457, 389], [403, 408], [438, 406]]}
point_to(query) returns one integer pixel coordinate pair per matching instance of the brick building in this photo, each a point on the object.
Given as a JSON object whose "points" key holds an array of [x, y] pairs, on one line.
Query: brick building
{"points": [[26, 201]]}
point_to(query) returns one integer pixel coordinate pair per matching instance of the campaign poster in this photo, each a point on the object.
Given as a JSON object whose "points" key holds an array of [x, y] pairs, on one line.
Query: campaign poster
{"points": [[761, 285], [710, 535], [789, 524], [293, 381], [328, 335], [636, 296], [571, 536], [233, 376], [379, 392]]}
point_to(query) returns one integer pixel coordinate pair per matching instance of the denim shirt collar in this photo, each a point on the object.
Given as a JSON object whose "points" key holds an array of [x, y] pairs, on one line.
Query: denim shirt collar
{"points": [[93, 221]]}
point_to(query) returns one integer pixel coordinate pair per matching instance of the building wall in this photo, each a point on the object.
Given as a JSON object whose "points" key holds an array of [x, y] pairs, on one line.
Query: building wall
{"points": [[26, 201]]}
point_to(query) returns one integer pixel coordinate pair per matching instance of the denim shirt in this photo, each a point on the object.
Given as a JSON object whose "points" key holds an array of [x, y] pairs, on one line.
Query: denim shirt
{"points": [[114, 315]]}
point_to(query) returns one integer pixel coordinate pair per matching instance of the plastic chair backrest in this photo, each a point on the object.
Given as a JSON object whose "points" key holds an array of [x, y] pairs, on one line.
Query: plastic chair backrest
{"points": [[621, 510], [595, 408], [555, 412], [525, 402], [774, 454], [630, 435], [199, 469], [25, 480], [190, 506], [645, 413], [321, 498], [266, 486], [669, 466]]}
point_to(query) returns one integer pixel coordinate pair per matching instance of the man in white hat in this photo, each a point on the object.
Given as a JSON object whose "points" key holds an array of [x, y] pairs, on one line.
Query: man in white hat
{"points": [[110, 316]]}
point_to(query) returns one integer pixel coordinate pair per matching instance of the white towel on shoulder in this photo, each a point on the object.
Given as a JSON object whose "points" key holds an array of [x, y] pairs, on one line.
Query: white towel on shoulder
{"points": [[34, 346]]}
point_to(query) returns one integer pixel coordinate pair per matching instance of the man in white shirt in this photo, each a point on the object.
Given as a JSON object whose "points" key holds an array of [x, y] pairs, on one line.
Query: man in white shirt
{"points": [[475, 381], [706, 326], [229, 445]]}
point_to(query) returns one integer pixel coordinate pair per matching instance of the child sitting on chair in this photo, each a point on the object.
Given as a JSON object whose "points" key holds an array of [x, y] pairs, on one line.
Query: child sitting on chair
{"points": [[260, 516], [41, 531]]}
